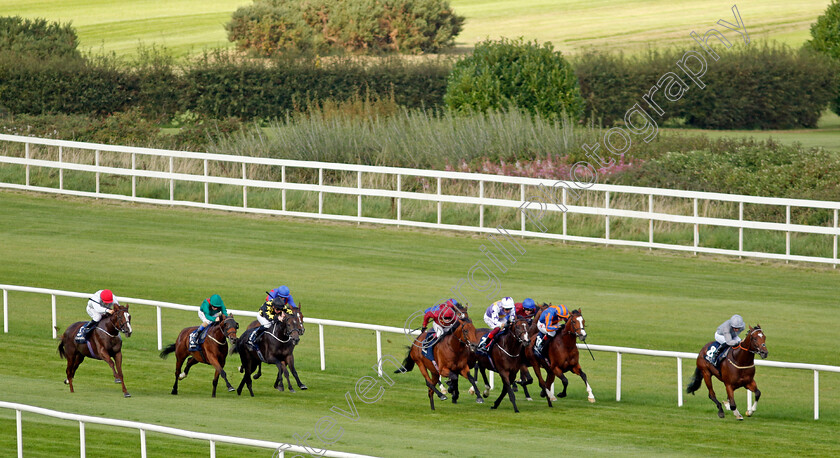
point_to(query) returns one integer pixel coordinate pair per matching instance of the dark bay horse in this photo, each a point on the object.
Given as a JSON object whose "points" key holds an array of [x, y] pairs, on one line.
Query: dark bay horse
{"points": [[452, 354], [104, 342], [736, 371], [276, 346], [212, 351], [563, 356], [290, 360], [506, 357]]}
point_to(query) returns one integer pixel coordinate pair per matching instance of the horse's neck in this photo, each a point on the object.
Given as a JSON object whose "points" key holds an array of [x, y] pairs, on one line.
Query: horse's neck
{"points": [[741, 356], [217, 332], [108, 325], [568, 336]]}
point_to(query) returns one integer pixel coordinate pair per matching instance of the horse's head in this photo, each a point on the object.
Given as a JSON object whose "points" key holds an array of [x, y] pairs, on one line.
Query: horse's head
{"points": [[300, 318], [464, 328], [229, 327], [519, 329], [755, 341], [122, 319], [576, 325], [292, 328]]}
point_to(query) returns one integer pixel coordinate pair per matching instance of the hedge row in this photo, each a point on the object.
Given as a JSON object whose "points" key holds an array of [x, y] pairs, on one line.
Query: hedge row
{"points": [[215, 86], [748, 87], [756, 87]]}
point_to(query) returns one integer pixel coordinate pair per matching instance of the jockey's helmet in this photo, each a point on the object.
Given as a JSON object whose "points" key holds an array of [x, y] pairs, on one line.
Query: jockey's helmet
{"points": [[507, 303], [529, 304], [107, 296]]}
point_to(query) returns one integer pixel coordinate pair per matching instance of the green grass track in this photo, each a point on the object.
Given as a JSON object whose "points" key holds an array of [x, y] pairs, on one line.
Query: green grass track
{"points": [[373, 274]]}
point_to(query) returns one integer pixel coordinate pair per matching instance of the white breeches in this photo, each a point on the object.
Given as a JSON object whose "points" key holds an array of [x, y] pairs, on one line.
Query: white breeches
{"points": [[264, 321], [203, 319], [438, 329], [542, 329], [94, 315]]}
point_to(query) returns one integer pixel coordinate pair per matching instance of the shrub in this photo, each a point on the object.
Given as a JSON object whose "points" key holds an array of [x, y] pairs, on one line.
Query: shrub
{"points": [[825, 39], [506, 73], [272, 27], [37, 37]]}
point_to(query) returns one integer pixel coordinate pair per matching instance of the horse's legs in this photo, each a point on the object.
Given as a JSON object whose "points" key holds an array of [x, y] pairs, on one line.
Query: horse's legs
{"points": [[754, 388], [259, 370], [290, 361], [707, 378], [278, 383], [431, 381], [118, 362], [178, 364], [565, 382], [506, 388], [730, 393], [190, 363], [486, 391], [524, 381], [453, 386], [577, 370], [286, 374], [73, 362], [247, 369], [213, 361], [466, 372]]}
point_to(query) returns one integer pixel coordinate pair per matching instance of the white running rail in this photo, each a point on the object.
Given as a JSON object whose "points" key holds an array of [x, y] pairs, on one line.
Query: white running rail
{"points": [[378, 329], [528, 187], [144, 427]]}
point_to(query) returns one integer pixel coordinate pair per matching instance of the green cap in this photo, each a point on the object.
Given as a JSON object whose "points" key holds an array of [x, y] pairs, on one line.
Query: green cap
{"points": [[216, 301]]}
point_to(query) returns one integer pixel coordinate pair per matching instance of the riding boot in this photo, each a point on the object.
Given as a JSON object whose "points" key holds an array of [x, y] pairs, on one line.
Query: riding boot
{"points": [[484, 344], [81, 336], [539, 345], [254, 338], [720, 350], [194, 338]]}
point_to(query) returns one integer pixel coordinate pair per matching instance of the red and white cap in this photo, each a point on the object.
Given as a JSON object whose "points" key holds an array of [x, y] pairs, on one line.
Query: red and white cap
{"points": [[107, 296]]}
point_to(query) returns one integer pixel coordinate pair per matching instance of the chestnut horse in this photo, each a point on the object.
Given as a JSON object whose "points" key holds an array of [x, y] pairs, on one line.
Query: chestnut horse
{"points": [[212, 351], [506, 357], [104, 342], [563, 356], [452, 357], [736, 371], [276, 346]]}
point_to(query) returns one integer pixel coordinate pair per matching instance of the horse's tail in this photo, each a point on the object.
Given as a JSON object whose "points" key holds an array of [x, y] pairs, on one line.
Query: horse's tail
{"points": [[166, 351], [694, 384], [407, 365], [237, 346], [61, 350]]}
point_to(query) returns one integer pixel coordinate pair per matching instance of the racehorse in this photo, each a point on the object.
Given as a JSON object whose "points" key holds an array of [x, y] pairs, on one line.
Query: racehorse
{"points": [[736, 371], [452, 356], [290, 360], [276, 347], [212, 351], [104, 343], [506, 357], [562, 356]]}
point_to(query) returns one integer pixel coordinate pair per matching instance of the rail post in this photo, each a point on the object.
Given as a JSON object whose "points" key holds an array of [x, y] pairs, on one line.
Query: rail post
{"points": [[244, 186], [54, 321], [19, 423], [171, 180], [212, 449], [607, 218], [618, 376], [142, 443], [5, 311], [680, 382], [321, 344], [206, 183], [320, 192], [82, 439], [26, 147], [60, 170], [159, 329], [481, 207], [96, 160], [816, 395], [359, 197]]}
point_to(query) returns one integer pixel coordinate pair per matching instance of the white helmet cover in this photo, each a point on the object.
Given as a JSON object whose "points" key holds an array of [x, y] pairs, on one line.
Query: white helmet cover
{"points": [[507, 303]]}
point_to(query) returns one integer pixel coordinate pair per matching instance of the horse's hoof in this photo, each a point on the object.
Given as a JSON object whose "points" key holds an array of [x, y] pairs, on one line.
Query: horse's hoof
{"points": [[257, 376], [592, 400], [514, 388], [66, 382], [561, 395], [515, 410], [303, 387], [230, 388], [291, 390], [442, 397], [471, 390], [494, 407], [182, 376], [553, 399], [479, 400], [126, 394], [116, 380], [720, 414], [241, 371], [749, 413], [528, 399], [174, 393]]}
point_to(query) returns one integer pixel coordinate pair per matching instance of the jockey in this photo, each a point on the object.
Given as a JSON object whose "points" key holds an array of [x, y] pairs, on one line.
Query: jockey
{"points": [[270, 311], [441, 315], [100, 304], [727, 335], [526, 308], [548, 324], [497, 316], [212, 310], [284, 293]]}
